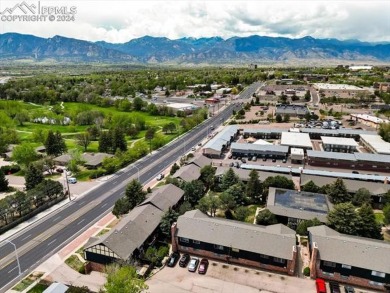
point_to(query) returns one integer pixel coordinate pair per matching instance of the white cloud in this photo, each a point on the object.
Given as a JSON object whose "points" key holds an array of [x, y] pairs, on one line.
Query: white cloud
{"points": [[120, 21]]}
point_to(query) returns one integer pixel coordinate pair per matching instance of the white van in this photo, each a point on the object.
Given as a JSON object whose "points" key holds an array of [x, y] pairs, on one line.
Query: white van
{"points": [[72, 180]]}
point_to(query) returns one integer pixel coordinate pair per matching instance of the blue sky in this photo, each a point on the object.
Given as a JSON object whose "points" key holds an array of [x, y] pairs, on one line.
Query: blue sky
{"points": [[121, 21]]}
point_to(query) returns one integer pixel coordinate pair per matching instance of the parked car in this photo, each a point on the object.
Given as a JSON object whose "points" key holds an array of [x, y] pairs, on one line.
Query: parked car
{"points": [[193, 264], [320, 286], [193, 149], [234, 157], [284, 160], [231, 164], [160, 176], [349, 289], [249, 158], [237, 164], [60, 170], [230, 156], [274, 160], [243, 160], [185, 258], [334, 287], [173, 258], [264, 159], [254, 158], [355, 172], [203, 265]]}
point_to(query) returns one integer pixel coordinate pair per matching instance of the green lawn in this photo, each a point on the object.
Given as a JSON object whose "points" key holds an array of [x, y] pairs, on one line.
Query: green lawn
{"points": [[379, 217], [74, 262], [38, 288]]}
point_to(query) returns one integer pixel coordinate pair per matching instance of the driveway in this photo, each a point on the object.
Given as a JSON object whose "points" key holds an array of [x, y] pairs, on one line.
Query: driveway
{"points": [[225, 279]]}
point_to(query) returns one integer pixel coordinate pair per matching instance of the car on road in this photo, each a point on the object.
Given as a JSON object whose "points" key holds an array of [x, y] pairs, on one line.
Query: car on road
{"points": [[193, 149], [160, 176], [185, 258], [173, 259], [193, 264], [72, 180], [203, 265]]}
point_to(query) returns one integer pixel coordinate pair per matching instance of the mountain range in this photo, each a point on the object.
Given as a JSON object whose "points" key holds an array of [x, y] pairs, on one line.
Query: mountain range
{"points": [[214, 50]]}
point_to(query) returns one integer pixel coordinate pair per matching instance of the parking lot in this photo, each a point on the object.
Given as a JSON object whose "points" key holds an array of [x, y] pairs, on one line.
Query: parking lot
{"points": [[225, 278]]}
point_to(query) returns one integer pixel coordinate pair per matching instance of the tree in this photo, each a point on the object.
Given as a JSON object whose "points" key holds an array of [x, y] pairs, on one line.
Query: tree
{"points": [[265, 217], [138, 104], [209, 204], [75, 289], [94, 132], [303, 225], [167, 220], [343, 218], [386, 214], [286, 118], [174, 168], [207, 174], [241, 213], [368, 227], [3, 181], [33, 176], [193, 191], [338, 193], [278, 118], [24, 154], [105, 142], [307, 96], [254, 187], [118, 140], [121, 207], [55, 144], [83, 139], [310, 187], [227, 201], [184, 207], [155, 256], [237, 191], [134, 193], [149, 135], [22, 116], [278, 182], [384, 131], [123, 279], [362, 196], [229, 178]]}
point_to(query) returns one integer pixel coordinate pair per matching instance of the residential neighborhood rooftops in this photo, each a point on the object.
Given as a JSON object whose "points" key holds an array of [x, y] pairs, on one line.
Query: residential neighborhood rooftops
{"points": [[188, 173], [164, 197], [341, 141], [199, 160], [275, 240], [351, 250], [377, 143]]}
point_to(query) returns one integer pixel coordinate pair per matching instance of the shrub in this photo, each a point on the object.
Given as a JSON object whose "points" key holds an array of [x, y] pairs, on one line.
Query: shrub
{"points": [[11, 169], [306, 271]]}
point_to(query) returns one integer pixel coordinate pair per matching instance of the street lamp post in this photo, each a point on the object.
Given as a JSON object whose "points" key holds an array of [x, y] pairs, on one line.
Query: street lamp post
{"points": [[67, 182], [16, 254], [137, 171]]}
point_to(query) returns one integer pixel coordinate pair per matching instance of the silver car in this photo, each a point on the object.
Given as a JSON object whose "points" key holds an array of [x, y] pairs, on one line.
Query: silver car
{"points": [[193, 264]]}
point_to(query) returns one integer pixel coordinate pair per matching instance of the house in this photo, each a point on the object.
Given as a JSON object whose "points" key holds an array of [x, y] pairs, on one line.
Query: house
{"points": [[265, 247], [357, 261], [129, 239], [291, 206], [199, 160], [187, 173], [91, 160]]}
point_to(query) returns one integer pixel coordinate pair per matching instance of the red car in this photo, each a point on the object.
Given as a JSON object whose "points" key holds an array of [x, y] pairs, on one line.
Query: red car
{"points": [[204, 263]]}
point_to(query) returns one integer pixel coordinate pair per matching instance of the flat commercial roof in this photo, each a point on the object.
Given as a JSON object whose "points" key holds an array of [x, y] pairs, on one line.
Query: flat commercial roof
{"points": [[297, 151], [343, 141], [294, 139], [299, 205], [336, 86], [224, 136], [370, 118], [377, 143], [258, 147]]}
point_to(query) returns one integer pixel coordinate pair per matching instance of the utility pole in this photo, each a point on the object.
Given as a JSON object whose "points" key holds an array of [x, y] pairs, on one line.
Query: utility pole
{"points": [[67, 183]]}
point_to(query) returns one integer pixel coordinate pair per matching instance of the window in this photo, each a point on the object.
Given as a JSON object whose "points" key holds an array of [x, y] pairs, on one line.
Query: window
{"points": [[346, 267], [235, 250], [329, 264], [378, 274], [220, 247], [195, 241], [264, 256], [185, 240], [279, 260]]}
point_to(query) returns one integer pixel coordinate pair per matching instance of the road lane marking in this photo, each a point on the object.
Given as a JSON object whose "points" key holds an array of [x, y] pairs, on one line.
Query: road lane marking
{"points": [[103, 205], [55, 219], [80, 221], [12, 270], [81, 202], [51, 242], [114, 183], [26, 237]]}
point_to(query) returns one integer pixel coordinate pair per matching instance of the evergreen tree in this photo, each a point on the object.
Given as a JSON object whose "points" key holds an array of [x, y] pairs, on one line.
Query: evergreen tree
{"points": [[343, 218], [193, 191], [361, 197], [3, 181], [368, 227], [338, 192], [237, 191], [241, 213], [167, 220], [207, 175], [310, 187], [33, 176], [118, 140], [174, 168], [105, 142], [134, 193], [55, 144], [254, 187], [303, 225], [228, 179]]}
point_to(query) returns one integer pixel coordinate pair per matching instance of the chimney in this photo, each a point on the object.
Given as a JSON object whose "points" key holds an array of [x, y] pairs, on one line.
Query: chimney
{"points": [[173, 237]]}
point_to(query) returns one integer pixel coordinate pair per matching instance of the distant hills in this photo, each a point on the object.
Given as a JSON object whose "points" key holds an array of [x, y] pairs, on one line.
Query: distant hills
{"points": [[215, 50]]}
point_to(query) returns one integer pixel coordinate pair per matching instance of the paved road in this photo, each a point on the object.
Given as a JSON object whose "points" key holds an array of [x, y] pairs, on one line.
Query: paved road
{"points": [[47, 236]]}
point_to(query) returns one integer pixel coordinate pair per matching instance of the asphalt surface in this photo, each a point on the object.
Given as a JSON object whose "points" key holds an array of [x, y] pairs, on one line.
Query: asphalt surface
{"points": [[39, 241]]}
